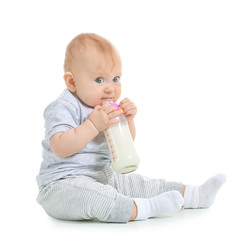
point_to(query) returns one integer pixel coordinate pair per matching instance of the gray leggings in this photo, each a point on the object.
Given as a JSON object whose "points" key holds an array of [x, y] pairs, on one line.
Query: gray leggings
{"points": [[103, 195]]}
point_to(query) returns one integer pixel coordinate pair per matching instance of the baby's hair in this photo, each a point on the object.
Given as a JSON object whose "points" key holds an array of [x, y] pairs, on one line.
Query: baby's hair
{"points": [[84, 42]]}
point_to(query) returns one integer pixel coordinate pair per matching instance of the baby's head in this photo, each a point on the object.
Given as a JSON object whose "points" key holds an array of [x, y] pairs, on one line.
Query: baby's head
{"points": [[92, 69]]}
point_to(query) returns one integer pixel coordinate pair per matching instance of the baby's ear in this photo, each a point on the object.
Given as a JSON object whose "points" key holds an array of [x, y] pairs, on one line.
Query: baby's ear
{"points": [[69, 81]]}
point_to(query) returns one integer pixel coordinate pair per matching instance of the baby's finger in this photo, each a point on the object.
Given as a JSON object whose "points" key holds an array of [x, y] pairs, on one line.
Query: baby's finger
{"points": [[113, 122], [127, 104], [131, 112], [115, 113], [108, 108], [124, 100], [98, 107], [128, 107]]}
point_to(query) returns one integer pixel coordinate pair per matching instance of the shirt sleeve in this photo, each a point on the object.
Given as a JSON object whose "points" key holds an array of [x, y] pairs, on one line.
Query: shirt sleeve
{"points": [[60, 116]]}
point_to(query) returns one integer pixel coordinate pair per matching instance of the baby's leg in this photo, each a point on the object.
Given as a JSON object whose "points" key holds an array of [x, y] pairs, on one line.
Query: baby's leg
{"points": [[138, 186], [82, 198], [148, 193], [152, 197]]}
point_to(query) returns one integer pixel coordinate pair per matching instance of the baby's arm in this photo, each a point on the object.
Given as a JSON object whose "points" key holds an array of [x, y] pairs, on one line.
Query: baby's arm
{"points": [[132, 129], [129, 110], [65, 144]]}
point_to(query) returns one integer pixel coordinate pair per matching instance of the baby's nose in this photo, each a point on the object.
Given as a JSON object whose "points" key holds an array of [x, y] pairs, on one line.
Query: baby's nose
{"points": [[108, 89]]}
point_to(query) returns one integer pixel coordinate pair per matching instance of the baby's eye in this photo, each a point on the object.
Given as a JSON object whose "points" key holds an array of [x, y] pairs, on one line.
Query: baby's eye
{"points": [[99, 80], [116, 79]]}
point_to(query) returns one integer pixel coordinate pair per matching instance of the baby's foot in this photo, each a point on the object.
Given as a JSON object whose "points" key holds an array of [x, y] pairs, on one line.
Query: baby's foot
{"points": [[164, 204], [167, 203], [203, 196], [208, 190]]}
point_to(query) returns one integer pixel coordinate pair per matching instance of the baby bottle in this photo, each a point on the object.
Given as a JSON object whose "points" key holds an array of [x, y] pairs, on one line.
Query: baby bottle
{"points": [[124, 158]]}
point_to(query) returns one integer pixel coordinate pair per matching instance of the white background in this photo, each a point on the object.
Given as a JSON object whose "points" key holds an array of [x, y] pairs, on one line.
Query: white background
{"points": [[184, 65]]}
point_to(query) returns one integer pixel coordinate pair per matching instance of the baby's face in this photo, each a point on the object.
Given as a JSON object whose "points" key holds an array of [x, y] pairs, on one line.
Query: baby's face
{"points": [[94, 83]]}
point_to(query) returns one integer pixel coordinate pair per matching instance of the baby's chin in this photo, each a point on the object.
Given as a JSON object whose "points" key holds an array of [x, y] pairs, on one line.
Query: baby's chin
{"points": [[89, 104]]}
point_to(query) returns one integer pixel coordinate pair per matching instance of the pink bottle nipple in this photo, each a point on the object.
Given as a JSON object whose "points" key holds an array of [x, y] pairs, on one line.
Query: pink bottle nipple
{"points": [[109, 101], [114, 105]]}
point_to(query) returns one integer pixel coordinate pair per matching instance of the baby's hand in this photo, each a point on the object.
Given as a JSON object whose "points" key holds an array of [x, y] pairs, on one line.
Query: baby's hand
{"points": [[102, 116], [129, 109]]}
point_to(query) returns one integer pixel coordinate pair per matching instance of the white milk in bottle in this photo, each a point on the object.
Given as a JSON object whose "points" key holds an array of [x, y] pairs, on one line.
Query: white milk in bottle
{"points": [[124, 158]]}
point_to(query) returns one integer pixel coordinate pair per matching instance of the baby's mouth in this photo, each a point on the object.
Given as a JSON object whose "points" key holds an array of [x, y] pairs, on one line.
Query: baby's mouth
{"points": [[106, 99]]}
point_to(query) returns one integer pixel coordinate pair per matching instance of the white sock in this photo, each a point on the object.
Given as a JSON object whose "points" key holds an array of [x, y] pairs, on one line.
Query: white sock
{"points": [[164, 204], [203, 196]]}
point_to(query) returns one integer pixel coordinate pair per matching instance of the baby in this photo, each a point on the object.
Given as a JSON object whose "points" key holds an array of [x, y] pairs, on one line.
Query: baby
{"points": [[76, 181]]}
